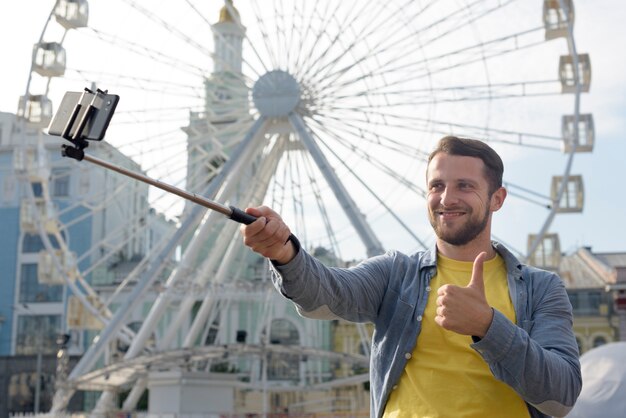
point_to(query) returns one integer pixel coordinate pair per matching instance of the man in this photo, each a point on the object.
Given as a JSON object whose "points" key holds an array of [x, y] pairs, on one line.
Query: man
{"points": [[463, 330]]}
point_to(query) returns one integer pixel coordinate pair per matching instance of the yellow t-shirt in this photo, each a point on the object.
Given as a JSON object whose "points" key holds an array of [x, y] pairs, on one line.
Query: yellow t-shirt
{"points": [[445, 377]]}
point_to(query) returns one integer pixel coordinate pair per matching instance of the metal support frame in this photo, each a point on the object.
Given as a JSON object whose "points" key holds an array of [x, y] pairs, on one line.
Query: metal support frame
{"points": [[87, 361], [356, 217]]}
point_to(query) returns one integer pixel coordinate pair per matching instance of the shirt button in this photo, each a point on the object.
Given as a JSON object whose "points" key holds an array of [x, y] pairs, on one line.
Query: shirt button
{"points": [[407, 356], [419, 318], [428, 288], [394, 387]]}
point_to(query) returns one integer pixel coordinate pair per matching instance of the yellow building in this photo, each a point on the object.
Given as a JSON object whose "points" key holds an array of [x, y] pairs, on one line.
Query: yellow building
{"points": [[590, 279]]}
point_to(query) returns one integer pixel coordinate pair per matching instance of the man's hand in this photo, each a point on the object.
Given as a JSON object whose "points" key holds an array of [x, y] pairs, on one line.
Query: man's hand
{"points": [[465, 310], [268, 235]]}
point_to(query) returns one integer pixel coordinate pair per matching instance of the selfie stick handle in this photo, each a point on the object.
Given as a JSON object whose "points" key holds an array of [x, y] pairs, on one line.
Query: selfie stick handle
{"points": [[231, 212]]}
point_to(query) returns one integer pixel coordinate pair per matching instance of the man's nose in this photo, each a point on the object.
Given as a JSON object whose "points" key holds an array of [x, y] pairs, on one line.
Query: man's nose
{"points": [[448, 197]]}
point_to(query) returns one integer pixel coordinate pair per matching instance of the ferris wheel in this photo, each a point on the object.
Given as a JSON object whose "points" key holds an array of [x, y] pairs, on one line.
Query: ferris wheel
{"points": [[325, 111]]}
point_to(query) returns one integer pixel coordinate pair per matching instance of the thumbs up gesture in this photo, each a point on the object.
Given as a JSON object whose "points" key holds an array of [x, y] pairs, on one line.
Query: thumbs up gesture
{"points": [[465, 310]]}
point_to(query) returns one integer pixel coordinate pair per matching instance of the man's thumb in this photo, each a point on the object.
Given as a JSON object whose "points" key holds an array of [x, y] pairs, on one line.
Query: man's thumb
{"points": [[477, 273]]}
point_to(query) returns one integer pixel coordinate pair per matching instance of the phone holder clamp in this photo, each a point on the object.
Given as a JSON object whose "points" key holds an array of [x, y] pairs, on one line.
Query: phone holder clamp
{"points": [[79, 143]]}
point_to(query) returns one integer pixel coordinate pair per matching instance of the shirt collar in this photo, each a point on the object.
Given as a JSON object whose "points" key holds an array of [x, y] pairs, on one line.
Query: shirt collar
{"points": [[513, 265]]}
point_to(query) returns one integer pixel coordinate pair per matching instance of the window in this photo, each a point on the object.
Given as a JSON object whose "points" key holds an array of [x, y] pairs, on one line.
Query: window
{"points": [[595, 298], [283, 366], [598, 341], [587, 302], [37, 333], [22, 392], [37, 188], [8, 189], [32, 291], [32, 243], [61, 183]]}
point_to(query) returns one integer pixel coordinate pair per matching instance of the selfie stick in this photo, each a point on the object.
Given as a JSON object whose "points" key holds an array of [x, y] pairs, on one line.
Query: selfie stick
{"points": [[77, 152]]}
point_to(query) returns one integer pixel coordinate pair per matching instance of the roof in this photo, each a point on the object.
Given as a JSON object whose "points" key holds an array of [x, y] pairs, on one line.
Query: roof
{"points": [[615, 260], [586, 269]]}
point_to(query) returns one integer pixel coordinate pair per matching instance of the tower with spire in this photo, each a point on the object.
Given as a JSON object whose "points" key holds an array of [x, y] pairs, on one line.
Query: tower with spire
{"points": [[225, 101]]}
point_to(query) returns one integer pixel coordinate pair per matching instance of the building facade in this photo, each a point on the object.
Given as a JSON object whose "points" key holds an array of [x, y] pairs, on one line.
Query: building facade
{"points": [[56, 219], [594, 283]]}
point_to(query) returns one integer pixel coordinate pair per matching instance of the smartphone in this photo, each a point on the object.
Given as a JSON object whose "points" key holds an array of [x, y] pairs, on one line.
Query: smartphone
{"points": [[97, 124]]}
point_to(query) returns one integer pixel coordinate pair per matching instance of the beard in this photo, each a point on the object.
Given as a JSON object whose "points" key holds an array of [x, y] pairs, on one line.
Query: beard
{"points": [[465, 233]]}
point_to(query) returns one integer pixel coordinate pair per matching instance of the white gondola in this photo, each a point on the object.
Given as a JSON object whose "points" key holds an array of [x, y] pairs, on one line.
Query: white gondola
{"points": [[78, 317], [548, 252], [573, 194], [33, 215], [49, 59], [567, 73], [72, 14], [36, 109], [585, 139], [48, 272], [556, 18]]}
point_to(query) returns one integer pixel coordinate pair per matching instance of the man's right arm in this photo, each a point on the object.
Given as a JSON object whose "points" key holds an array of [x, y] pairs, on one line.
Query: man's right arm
{"points": [[321, 292], [318, 291]]}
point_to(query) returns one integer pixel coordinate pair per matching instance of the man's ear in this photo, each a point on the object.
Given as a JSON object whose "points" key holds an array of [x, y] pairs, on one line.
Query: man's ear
{"points": [[497, 199]]}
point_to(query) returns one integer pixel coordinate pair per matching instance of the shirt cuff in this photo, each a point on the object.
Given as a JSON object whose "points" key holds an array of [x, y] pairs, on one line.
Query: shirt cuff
{"points": [[498, 340]]}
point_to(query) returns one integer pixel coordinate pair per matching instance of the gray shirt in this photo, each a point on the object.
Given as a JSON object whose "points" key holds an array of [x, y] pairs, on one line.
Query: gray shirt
{"points": [[537, 356]]}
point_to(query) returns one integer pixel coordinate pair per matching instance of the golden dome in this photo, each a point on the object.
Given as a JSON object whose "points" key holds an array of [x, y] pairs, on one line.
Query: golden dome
{"points": [[225, 13]]}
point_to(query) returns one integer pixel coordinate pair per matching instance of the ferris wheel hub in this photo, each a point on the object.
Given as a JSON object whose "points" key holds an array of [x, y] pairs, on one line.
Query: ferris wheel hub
{"points": [[276, 93]]}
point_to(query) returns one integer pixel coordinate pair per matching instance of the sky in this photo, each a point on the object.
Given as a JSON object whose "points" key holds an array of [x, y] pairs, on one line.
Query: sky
{"points": [[599, 31]]}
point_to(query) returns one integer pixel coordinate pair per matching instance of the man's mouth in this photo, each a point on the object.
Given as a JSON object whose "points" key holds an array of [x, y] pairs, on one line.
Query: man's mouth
{"points": [[450, 214]]}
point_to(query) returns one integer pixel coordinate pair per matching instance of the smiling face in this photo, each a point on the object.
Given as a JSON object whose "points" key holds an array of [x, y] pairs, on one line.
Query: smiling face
{"points": [[459, 202]]}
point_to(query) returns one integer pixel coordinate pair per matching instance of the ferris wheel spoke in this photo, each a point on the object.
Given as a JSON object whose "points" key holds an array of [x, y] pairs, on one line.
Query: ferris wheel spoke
{"points": [[504, 136], [405, 74], [170, 28], [529, 195], [310, 63], [141, 50], [457, 19], [263, 30], [372, 193], [387, 43], [371, 136], [364, 230], [281, 39], [468, 55], [136, 83], [329, 73], [423, 68], [319, 199], [303, 64], [532, 88], [299, 31], [372, 161]]}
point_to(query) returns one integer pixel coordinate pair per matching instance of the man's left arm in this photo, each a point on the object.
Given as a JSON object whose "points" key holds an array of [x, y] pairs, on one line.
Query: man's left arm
{"points": [[539, 358]]}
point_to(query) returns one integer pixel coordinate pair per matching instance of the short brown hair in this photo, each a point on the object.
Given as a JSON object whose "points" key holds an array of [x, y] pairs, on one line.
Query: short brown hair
{"points": [[494, 168]]}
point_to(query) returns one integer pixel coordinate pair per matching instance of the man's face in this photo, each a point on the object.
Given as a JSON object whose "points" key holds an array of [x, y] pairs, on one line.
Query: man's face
{"points": [[459, 205]]}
